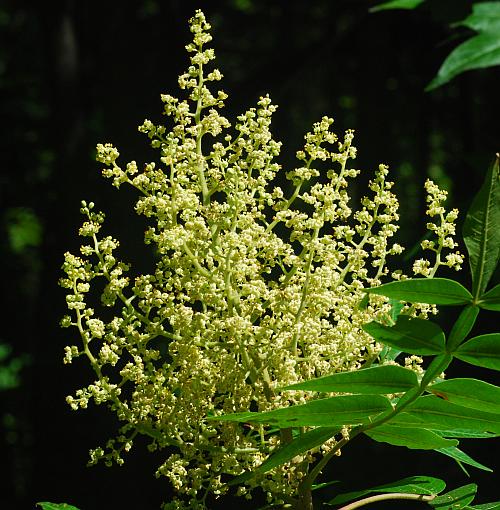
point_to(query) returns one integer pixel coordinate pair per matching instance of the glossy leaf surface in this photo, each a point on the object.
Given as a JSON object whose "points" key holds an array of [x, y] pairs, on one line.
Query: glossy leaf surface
{"points": [[463, 458], [491, 300], [432, 412], [471, 393], [413, 438], [466, 434], [327, 412], [455, 499], [482, 351], [485, 17], [397, 4], [435, 291], [382, 379], [481, 230], [416, 336], [482, 50], [487, 506]]}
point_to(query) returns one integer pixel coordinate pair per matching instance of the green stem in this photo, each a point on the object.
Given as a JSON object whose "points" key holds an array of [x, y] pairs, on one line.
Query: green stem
{"points": [[201, 160]]}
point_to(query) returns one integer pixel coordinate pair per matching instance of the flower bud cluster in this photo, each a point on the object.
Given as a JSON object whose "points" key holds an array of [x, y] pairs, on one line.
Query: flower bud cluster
{"points": [[254, 288], [443, 230]]}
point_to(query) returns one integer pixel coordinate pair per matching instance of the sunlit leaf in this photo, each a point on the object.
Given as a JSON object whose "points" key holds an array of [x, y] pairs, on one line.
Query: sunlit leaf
{"points": [[412, 485], [397, 4], [56, 506], [491, 300], [462, 457], [301, 444], [432, 412], [481, 230], [436, 291], [382, 379], [471, 393], [466, 434], [327, 412], [413, 438], [482, 50], [455, 499], [485, 17], [416, 336], [487, 506], [482, 351], [319, 486]]}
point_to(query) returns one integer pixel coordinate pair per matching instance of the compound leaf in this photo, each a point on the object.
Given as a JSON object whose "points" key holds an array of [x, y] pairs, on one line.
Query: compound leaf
{"points": [[491, 300]]}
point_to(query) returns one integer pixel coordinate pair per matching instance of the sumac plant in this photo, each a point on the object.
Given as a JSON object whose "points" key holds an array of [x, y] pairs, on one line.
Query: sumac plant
{"points": [[272, 330]]}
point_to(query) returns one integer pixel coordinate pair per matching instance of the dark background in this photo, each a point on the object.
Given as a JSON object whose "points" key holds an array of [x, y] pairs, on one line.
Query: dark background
{"points": [[74, 73]]}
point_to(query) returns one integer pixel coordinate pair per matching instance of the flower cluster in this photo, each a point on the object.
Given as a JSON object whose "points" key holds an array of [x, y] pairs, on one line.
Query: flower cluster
{"points": [[253, 289], [443, 229]]}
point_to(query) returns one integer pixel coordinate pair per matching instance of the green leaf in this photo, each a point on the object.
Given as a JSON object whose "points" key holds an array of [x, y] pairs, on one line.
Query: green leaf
{"points": [[432, 412], [397, 4], [482, 50], [414, 438], [381, 379], [416, 336], [465, 434], [396, 307], [327, 412], [485, 17], [482, 351], [388, 354], [481, 232], [435, 291], [303, 443], [471, 393], [437, 366], [455, 499], [491, 300], [462, 457], [412, 485], [56, 506], [319, 486], [487, 506], [462, 327]]}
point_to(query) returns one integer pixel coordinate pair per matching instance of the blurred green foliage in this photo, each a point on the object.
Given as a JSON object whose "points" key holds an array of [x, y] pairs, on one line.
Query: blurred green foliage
{"points": [[479, 51], [23, 229]]}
